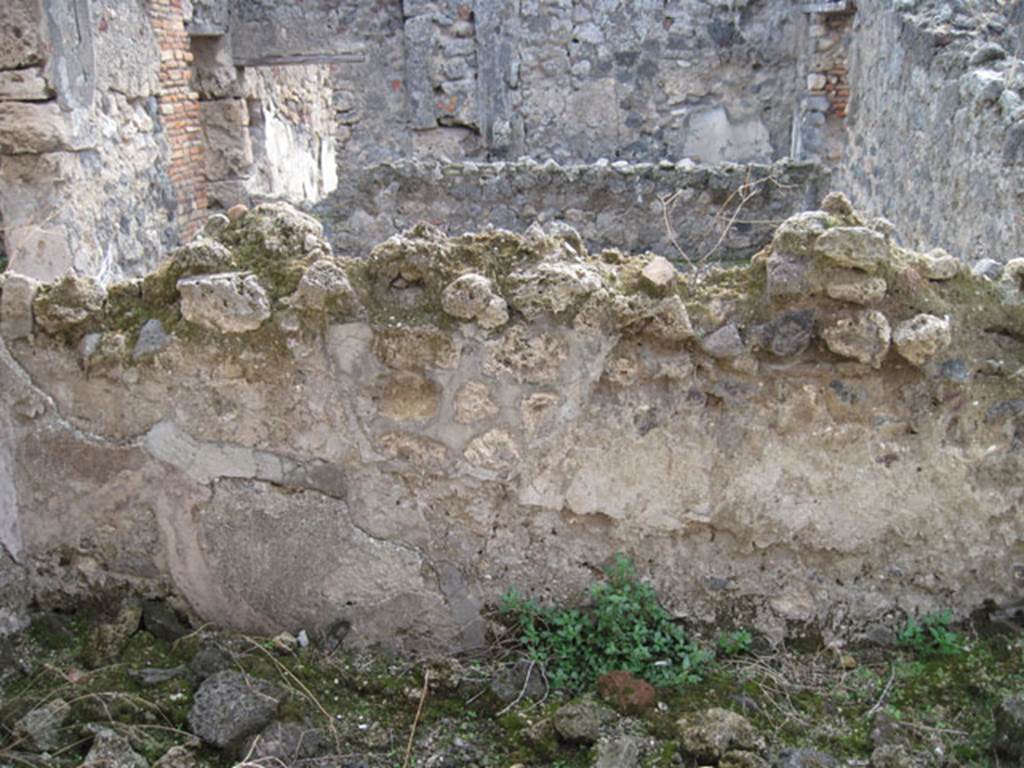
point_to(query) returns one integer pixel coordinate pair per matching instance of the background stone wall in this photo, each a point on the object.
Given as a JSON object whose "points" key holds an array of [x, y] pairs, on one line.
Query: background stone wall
{"points": [[936, 125], [573, 81], [724, 212]]}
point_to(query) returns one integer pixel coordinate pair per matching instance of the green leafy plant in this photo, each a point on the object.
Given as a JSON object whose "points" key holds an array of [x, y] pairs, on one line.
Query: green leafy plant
{"points": [[624, 628], [735, 643], [931, 635]]}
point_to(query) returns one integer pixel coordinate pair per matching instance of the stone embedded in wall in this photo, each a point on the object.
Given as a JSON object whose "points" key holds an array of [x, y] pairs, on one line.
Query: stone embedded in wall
{"points": [[854, 247], [922, 337], [324, 287], [24, 85], [32, 128], [856, 288], [16, 300], [864, 337], [231, 302], [471, 297], [69, 304]]}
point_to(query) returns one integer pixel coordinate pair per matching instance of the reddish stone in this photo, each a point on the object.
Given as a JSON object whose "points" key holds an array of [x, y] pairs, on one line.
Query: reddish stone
{"points": [[235, 212], [626, 692]]}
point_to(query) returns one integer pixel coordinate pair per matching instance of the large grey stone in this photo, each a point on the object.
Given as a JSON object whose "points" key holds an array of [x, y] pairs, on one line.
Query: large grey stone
{"points": [[618, 752], [40, 729], [285, 743], [230, 302], [805, 758], [111, 750], [229, 706]]}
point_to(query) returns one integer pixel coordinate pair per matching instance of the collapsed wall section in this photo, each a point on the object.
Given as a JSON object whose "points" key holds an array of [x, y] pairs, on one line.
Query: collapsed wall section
{"points": [[290, 439]]}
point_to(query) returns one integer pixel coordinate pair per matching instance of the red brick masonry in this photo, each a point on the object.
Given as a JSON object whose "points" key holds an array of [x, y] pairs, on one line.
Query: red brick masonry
{"points": [[179, 113]]}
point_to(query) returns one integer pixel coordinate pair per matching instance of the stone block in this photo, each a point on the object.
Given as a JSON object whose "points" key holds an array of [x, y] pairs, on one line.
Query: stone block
{"points": [[228, 144], [24, 85], [16, 306], [31, 128], [864, 338], [21, 38], [231, 302]]}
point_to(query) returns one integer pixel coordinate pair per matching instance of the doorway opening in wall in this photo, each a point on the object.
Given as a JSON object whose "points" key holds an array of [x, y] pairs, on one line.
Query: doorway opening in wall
{"points": [[267, 128]]}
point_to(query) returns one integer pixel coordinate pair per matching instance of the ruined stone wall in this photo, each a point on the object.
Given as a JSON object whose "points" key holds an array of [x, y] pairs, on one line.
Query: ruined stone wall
{"points": [[936, 124], [723, 213], [288, 439]]}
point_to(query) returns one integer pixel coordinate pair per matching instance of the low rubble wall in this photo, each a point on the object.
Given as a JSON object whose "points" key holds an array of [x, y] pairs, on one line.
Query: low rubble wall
{"points": [[289, 439]]}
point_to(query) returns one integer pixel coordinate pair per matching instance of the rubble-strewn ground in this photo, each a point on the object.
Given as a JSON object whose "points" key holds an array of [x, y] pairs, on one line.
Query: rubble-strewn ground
{"points": [[75, 688]]}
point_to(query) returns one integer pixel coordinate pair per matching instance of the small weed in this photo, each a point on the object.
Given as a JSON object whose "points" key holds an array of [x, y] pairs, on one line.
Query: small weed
{"points": [[624, 628], [932, 635], [735, 643]]}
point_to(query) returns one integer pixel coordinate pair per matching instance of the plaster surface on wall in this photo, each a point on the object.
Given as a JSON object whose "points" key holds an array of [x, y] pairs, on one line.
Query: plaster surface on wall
{"points": [[288, 439]]}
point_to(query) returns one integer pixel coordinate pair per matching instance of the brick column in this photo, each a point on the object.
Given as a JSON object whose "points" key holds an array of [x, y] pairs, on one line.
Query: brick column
{"points": [[179, 113]]}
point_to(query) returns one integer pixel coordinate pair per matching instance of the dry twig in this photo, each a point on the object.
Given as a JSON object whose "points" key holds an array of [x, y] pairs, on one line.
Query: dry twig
{"points": [[419, 714]]}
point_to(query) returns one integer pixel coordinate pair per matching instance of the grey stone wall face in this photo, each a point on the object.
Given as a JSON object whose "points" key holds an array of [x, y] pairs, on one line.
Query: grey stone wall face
{"points": [[573, 81], [936, 127]]}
